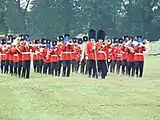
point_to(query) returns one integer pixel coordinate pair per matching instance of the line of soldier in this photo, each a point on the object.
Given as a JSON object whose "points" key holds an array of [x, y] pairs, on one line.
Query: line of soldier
{"points": [[95, 55]]}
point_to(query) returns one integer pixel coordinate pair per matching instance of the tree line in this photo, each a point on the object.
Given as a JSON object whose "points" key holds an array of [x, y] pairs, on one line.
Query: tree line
{"points": [[54, 17]]}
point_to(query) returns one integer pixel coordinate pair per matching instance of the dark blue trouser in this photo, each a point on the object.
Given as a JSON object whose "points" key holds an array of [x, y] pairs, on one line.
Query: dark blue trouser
{"points": [[91, 64], [19, 68], [59, 65], [102, 68], [124, 66], [26, 69], [54, 68], [11, 67], [2, 66], [131, 67], [6, 66], [15, 66], [73, 65], [35, 65], [118, 66], [66, 67], [139, 68], [47, 67]]}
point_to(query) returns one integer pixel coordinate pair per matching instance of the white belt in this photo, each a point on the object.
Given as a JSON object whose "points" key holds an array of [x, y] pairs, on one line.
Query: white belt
{"points": [[138, 53], [2, 54], [67, 52], [25, 53], [15, 54], [101, 52], [123, 52], [119, 54], [54, 55]]}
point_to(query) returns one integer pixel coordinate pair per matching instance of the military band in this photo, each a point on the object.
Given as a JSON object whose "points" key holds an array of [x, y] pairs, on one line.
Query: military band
{"points": [[94, 55]]}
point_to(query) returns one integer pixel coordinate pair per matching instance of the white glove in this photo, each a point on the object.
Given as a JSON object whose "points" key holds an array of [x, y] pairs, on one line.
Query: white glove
{"points": [[86, 57], [94, 47]]}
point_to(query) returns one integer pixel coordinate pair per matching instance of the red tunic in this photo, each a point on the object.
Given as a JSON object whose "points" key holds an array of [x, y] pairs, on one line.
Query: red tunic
{"points": [[139, 53], [89, 51], [54, 56], [130, 55], [67, 51]]}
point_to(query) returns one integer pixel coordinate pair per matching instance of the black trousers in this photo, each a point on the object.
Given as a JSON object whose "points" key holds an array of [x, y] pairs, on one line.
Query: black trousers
{"points": [[47, 69], [131, 68], [73, 65], [36, 65], [112, 66], [11, 67], [54, 68], [139, 68], [82, 68], [118, 66], [66, 67], [92, 67], [19, 65], [6, 70], [124, 67], [102, 65], [15, 66], [59, 65], [77, 66], [40, 66], [2, 66], [26, 69]]}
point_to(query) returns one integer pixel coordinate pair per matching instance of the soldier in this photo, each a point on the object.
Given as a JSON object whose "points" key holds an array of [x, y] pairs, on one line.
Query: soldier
{"points": [[139, 49], [83, 56], [91, 54], [15, 57], [25, 49], [67, 50], [2, 55], [78, 53], [54, 58], [123, 58], [130, 58], [73, 55], [35, 57], [46, 59], [119, 56], [101, 54]]}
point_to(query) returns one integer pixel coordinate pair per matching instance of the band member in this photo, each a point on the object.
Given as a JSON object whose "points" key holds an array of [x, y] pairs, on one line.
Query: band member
{"points": [[101, 54], [83, 56], [59, 50], [91, 54], [15, 58], [123, 58], [78, 52], [74, 40], [139, 57], [130, 59], [113, 55], [25, 50], [36, 57], [118, 56], [67, 50], [54, 59], [2, 54], [46, 60]]}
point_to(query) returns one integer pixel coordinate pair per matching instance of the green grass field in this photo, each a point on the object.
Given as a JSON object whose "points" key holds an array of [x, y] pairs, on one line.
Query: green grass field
{"points": [[79, 98]]}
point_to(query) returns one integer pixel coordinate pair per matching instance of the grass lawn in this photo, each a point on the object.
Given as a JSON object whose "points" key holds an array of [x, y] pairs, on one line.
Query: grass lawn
{"points": [[79, 98]]}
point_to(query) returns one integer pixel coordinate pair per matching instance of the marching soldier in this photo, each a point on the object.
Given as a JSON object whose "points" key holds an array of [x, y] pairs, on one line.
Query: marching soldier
{"points": [[54, 59], [130, 59], [101, 54], [25, 50], [139, 57], [83, 56], [91, 54], [2, 55], [67, 50], [59, 50]]}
